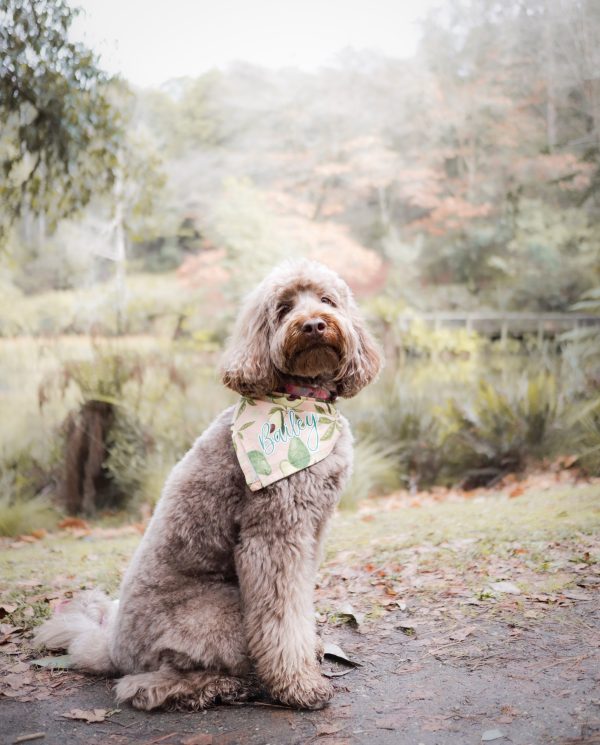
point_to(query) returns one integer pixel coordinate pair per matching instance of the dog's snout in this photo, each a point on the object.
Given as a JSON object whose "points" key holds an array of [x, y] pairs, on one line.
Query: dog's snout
{"points": [[314, 326]]}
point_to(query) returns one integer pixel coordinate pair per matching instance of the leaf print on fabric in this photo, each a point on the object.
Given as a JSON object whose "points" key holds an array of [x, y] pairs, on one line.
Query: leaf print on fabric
{"points": [[286, 468], [259, 463], [325, 420], [245, 426], [319, 409], [328, 432], [298, 454]]}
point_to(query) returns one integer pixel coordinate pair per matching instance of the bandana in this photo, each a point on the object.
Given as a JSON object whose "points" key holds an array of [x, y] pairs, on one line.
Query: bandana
{"points": [[281, 434]]}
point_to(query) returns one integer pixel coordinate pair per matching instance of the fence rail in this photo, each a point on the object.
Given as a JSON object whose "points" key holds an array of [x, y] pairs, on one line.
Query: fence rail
{"points": [[503, 325]]}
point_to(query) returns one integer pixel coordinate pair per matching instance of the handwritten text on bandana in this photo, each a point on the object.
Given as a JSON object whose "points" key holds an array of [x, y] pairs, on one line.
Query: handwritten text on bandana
{"points": [[277, 436]]}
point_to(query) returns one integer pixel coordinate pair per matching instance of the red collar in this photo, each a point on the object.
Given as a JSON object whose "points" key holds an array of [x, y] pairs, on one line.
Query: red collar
{"points": [[309, 391]]}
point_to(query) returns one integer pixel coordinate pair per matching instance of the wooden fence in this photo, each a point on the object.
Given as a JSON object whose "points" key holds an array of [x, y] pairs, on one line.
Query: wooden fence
{"points": [[502, 325]]}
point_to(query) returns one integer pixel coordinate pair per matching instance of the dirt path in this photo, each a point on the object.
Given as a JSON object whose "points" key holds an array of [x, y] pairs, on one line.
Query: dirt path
{"points": [[523, 685], [474, 619]]}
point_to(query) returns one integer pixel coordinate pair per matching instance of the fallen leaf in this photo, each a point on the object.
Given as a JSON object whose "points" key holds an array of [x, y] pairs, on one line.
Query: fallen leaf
{"points": [[59, 662], [39, 533], [516, 492], [70, 523], [89, 716], [461, 634], [330, 729], [336, 673], [491, 734], [576, 595], [28, 738], [199, 739], [352, 615], [337, 653], [435, 724], [7, 608], [19, 667], [17, 680], [391, 723], [505, 586]]}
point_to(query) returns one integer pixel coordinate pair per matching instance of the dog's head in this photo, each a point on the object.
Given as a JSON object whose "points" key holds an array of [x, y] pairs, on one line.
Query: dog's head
{"points": [[300, 324]]}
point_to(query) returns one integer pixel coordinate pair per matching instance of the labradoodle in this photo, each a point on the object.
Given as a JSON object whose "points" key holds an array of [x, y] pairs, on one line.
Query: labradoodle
{"points": [[217, 603]]}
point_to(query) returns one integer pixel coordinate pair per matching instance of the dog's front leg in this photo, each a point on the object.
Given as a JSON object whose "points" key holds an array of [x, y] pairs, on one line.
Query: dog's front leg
{"points": [[276, 568]]}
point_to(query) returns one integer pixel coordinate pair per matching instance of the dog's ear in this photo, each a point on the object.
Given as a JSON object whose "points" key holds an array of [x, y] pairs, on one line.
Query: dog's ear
{"points": [[246, 366], [365, 362]]}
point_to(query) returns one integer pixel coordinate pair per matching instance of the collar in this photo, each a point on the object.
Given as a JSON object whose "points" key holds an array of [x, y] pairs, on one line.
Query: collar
{"points": [[308, 391]]}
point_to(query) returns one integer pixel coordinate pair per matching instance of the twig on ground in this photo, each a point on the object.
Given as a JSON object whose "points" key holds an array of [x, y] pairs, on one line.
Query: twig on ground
{"points": [[160, 739]]}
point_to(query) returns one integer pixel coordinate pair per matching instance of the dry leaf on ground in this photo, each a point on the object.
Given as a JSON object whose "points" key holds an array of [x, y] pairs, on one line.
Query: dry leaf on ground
{"points": [[88, 715]]}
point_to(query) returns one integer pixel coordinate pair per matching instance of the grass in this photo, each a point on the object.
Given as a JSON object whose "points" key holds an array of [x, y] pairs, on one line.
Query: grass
{"points": [[441, 537], [21, 518], [493, 519]]}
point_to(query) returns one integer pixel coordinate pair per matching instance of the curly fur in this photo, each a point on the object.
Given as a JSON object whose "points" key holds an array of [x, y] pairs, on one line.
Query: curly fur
{"points": [[218, 599]]}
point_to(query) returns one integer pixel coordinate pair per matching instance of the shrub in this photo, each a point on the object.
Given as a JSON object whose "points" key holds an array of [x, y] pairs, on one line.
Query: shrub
{"points": [[20, 517], [499, 430], [375, 470], [406, 423], [583, 437]]}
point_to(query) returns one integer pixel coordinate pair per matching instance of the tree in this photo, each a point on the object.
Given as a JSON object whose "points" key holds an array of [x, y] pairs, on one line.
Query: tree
{"points": [[60, 136]]}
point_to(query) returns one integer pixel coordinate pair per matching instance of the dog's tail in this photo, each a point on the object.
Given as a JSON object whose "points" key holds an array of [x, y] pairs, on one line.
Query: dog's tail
{"points": [[83, 627]]}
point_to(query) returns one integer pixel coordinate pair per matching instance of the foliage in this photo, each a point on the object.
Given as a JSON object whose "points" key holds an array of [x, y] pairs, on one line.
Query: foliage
{"points": [[585, 341], [582, 437], [61, 133], [499, 430], [127, 444], [19, 517], [374, 472], [456, 432], [406, 425], [244, 226]]}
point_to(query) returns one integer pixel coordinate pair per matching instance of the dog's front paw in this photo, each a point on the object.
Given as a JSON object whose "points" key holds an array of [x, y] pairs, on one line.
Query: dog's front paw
{"points": [[309, 691]]}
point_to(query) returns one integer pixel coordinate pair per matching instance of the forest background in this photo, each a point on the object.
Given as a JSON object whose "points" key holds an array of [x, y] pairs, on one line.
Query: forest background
{"points": [[457, 191]]}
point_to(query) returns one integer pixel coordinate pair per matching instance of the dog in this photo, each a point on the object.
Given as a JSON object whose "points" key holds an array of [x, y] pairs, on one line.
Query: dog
{"points": [[217, 603]]}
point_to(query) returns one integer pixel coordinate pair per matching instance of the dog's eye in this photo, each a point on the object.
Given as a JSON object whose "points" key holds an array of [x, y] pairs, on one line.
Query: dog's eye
{"points": [[328, 301], [283, 310]]}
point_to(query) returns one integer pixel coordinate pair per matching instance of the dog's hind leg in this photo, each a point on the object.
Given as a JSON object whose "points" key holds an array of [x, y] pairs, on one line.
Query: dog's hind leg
{"points": [[183, 691]]}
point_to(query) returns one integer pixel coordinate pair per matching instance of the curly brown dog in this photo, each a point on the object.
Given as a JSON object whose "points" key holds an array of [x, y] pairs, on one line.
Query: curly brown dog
{"points": [[218, 599]]}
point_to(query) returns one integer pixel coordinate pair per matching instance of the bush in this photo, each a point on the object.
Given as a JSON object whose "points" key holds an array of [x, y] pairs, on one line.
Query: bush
{"points": [[499, 431], [20, 517], [408, 424], [583, 436], [374, 471]]}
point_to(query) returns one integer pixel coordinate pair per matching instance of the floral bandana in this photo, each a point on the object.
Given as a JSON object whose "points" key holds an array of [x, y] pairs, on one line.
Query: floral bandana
{"points": [[279, 435]]}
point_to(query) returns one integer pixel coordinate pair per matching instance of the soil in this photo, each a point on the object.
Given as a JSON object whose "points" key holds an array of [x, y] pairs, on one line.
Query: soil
{"points": [[525, 685]]}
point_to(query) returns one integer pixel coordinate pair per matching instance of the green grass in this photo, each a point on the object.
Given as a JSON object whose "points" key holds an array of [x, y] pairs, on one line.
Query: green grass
{"points": [[22, 518], [493, 519], [34, 573], [464, 537]]}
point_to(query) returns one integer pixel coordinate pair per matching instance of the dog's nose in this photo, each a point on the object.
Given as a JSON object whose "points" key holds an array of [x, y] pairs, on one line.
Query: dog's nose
{"points": [[315, 326]]}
